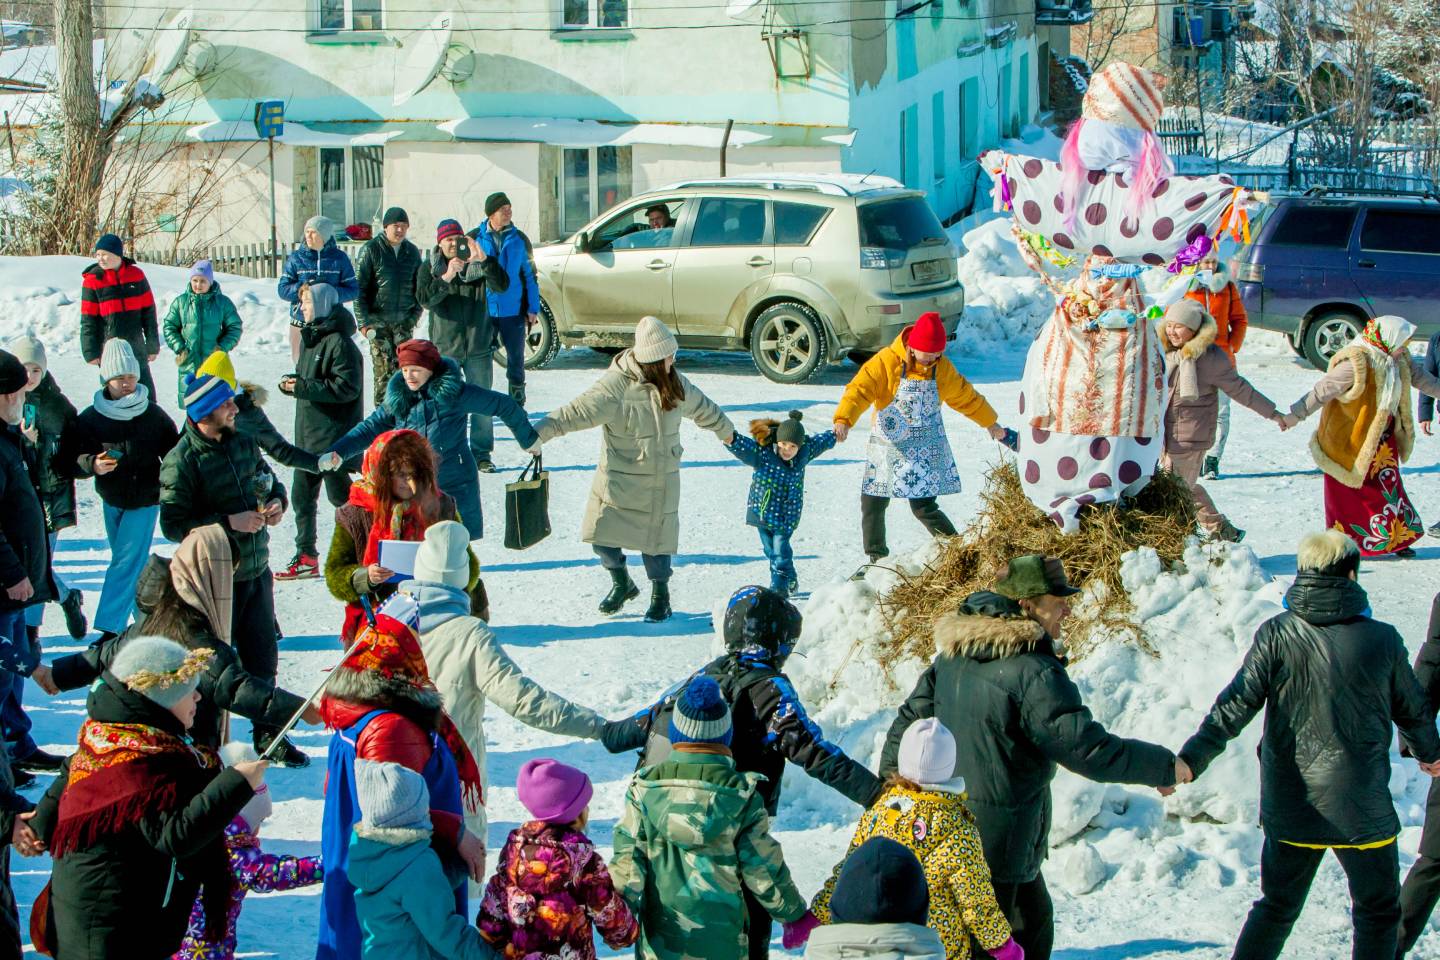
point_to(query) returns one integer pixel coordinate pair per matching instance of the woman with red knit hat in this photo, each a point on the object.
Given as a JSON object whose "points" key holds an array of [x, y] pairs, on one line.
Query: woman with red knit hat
{"points": [[430, 396], [908, 454]]}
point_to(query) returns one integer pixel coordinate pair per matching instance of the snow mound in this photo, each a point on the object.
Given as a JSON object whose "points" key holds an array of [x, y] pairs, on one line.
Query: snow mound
{"points": [[40, 296], [1200, 616], [1004, 300]]}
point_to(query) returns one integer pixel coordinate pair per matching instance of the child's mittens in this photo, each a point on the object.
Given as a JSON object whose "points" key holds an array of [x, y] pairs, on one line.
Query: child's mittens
{"points": [[795, 934], [1011, 439], [1009, 950]]}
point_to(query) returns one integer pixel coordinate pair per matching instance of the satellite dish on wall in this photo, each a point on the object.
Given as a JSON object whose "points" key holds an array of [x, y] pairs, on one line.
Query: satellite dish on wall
{"points": [[168, 49], [199, 58], [151, 53], [423, 62], [749, 11]]}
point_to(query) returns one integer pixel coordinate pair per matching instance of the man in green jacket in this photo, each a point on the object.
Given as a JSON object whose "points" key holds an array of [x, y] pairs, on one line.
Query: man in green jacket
{"points": [[216, 474], [387, 308], [695, 835]]}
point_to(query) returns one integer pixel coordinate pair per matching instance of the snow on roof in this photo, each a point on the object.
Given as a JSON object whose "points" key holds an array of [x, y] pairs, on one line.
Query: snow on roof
{"points": [[592, 133]]}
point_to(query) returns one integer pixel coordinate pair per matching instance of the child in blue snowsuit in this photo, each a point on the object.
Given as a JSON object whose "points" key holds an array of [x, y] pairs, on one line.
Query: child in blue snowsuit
{"points": [[778, 454]]}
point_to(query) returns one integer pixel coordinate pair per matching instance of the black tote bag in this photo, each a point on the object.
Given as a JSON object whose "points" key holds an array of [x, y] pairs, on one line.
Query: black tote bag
{"points": [[527, 507]]}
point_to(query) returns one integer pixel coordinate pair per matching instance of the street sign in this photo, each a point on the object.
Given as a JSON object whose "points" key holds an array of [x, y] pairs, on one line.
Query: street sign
{"points": [[270, 118]]}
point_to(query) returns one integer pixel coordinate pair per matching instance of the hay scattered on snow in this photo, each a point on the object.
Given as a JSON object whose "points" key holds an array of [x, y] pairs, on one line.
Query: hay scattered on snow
{"points": [[1008, 526]]}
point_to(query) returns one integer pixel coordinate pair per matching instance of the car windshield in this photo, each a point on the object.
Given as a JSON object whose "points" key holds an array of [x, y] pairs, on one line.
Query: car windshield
{"points": [[899, 224]]}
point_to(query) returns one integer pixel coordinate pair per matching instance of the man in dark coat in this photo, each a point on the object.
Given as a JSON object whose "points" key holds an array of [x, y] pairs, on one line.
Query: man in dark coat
{"points": [[24, 559], [387, 308], [1421, 890], [770, 723], [329, 400], [216, 474], [453, 290], [116, 301], [999, 684], [318, 260], [1332, 682]]}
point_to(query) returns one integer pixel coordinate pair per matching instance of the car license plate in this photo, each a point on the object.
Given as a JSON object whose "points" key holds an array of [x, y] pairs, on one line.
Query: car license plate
{"points": [[927, 270]]}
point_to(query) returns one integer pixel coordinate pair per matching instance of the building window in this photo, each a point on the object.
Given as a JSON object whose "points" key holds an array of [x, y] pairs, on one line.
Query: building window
{"points": [[592, 180], [352, 184], [940, 157], [350, 15], [596, 13]]}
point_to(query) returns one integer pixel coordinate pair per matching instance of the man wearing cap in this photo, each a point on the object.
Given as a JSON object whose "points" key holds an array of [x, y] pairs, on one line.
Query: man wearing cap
{"points": [[115, 301], [515, 307], [120, 441], [216, 474], [999, 685], [453, 288], [24, 561], [317, 260], [387, 308]]}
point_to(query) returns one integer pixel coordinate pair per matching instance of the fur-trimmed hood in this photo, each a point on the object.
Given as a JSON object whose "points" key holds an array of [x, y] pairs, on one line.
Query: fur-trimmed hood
{"points": [[369, 688], [258, 395], [763, 430], [442, 388], [1193, 349], [1366, 368], [986, 638]]}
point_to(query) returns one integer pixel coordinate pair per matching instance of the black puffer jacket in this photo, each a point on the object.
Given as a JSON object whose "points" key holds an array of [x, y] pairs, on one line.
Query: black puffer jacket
{"points": [[204, 481], [129, 894], [24, 547], [225, 685], [330, 376], [1000, 688], [1427, 671], [143, 442], [251, 419], [1332, 682], [387, 302], [459, 319], [53, 413]]}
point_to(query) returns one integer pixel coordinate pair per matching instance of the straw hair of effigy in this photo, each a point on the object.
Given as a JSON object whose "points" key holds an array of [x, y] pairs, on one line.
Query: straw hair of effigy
{"points": [[1008, 525]]}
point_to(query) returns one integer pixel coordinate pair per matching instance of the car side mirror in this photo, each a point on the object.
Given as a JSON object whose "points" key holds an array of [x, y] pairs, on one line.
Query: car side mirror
{"points": [[582, 242]]}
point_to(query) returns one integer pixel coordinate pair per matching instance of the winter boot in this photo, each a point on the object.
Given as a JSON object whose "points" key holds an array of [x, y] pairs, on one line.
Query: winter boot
{"points": [[286, 755], [304, 566], [781, 586], [485, 466], [659, 602], [39, 762], [517, 393], [1210, 469], [1227, 532], [1434, 530], [623, 591], [874, 559], [793, 584], [75, 623]]}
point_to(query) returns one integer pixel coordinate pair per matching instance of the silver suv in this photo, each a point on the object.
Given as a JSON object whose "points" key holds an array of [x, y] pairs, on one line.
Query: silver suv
{"points": [[800, 270]]}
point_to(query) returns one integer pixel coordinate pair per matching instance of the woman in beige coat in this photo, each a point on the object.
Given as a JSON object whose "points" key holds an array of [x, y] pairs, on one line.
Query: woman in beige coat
{"points": [[635, 499]]}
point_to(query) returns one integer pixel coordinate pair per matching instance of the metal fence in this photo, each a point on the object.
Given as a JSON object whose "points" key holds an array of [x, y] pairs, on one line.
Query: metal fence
{"points": [[243, 259]]}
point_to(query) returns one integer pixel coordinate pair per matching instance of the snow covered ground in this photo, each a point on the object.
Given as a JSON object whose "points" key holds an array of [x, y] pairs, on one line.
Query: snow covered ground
{"points": [[1133, 876]]}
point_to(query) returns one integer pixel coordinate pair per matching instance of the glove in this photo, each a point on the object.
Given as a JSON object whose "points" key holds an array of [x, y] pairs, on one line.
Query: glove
{"points": [[1011, 439], [330, 462], [795, 934], [618, 736], [1009, 950]]}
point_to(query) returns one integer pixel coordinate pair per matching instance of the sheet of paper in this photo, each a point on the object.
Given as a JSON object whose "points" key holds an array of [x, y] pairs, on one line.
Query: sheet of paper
{"points": [[399, 556]]}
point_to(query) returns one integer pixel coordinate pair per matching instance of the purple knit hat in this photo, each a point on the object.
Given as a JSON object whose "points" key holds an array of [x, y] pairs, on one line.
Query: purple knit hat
{"points": [[552, 791]]}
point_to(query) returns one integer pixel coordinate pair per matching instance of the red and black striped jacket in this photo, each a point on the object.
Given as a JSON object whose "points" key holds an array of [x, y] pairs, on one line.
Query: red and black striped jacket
{"points": [[117, 303]]}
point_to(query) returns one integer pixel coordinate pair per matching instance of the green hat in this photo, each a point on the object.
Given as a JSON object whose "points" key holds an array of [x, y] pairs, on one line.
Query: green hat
{"points": [[1034, 576]]}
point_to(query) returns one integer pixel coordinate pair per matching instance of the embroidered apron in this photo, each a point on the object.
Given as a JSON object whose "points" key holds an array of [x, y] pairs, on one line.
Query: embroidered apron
{"points": [[908, 455], [340, 936]]}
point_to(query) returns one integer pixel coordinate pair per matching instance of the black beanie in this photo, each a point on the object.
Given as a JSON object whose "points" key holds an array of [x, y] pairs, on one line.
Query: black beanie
{"points": [[494, 202], [13, 375], [881, 882], [396, 215], [790, 430]]}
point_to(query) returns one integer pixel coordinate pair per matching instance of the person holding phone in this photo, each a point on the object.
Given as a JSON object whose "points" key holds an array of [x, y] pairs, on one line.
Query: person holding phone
{"points": [[119, 441], [452, 286]]}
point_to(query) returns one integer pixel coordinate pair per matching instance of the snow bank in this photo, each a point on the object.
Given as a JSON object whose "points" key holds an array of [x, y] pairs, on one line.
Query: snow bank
{"points": [[1200, 617], [40, 296], [1004, 299]]}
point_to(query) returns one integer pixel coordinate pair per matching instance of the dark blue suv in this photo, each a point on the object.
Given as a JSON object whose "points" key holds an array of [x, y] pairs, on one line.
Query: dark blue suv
{"points": [[1322, 265]]}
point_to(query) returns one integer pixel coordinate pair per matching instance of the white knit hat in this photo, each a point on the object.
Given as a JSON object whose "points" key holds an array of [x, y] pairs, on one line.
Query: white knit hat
{"points": [[927, 752], [28, 350], [391, 795], [118, 360], [1125, 95], [444, 557], [653, 341]]}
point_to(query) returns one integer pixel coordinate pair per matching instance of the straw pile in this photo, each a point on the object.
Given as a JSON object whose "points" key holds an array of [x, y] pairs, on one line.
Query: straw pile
{"points": [[1009, 525]]}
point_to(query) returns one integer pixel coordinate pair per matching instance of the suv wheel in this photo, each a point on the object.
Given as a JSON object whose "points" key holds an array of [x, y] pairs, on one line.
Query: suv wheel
{"points": [[1327, 335], [541, 343], [788, 343]]}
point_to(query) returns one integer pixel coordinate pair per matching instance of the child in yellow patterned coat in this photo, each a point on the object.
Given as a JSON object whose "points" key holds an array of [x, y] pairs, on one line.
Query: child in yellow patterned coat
{"points": [[924, 809]]}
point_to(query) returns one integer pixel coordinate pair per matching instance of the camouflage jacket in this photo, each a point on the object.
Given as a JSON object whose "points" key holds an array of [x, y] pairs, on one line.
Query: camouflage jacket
{"points": [[694, 833]]}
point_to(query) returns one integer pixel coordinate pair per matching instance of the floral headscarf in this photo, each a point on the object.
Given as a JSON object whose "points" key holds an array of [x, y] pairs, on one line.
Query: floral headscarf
{"points": [[1383, 336]]}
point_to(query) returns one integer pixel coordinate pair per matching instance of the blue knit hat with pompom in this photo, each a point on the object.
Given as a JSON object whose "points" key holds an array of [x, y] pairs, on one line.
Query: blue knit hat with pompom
{"points": [[701, 714]]}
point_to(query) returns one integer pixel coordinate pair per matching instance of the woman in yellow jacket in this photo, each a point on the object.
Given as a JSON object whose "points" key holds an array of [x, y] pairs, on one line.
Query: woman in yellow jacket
{"points": [[908, 454], [924, 810]]}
